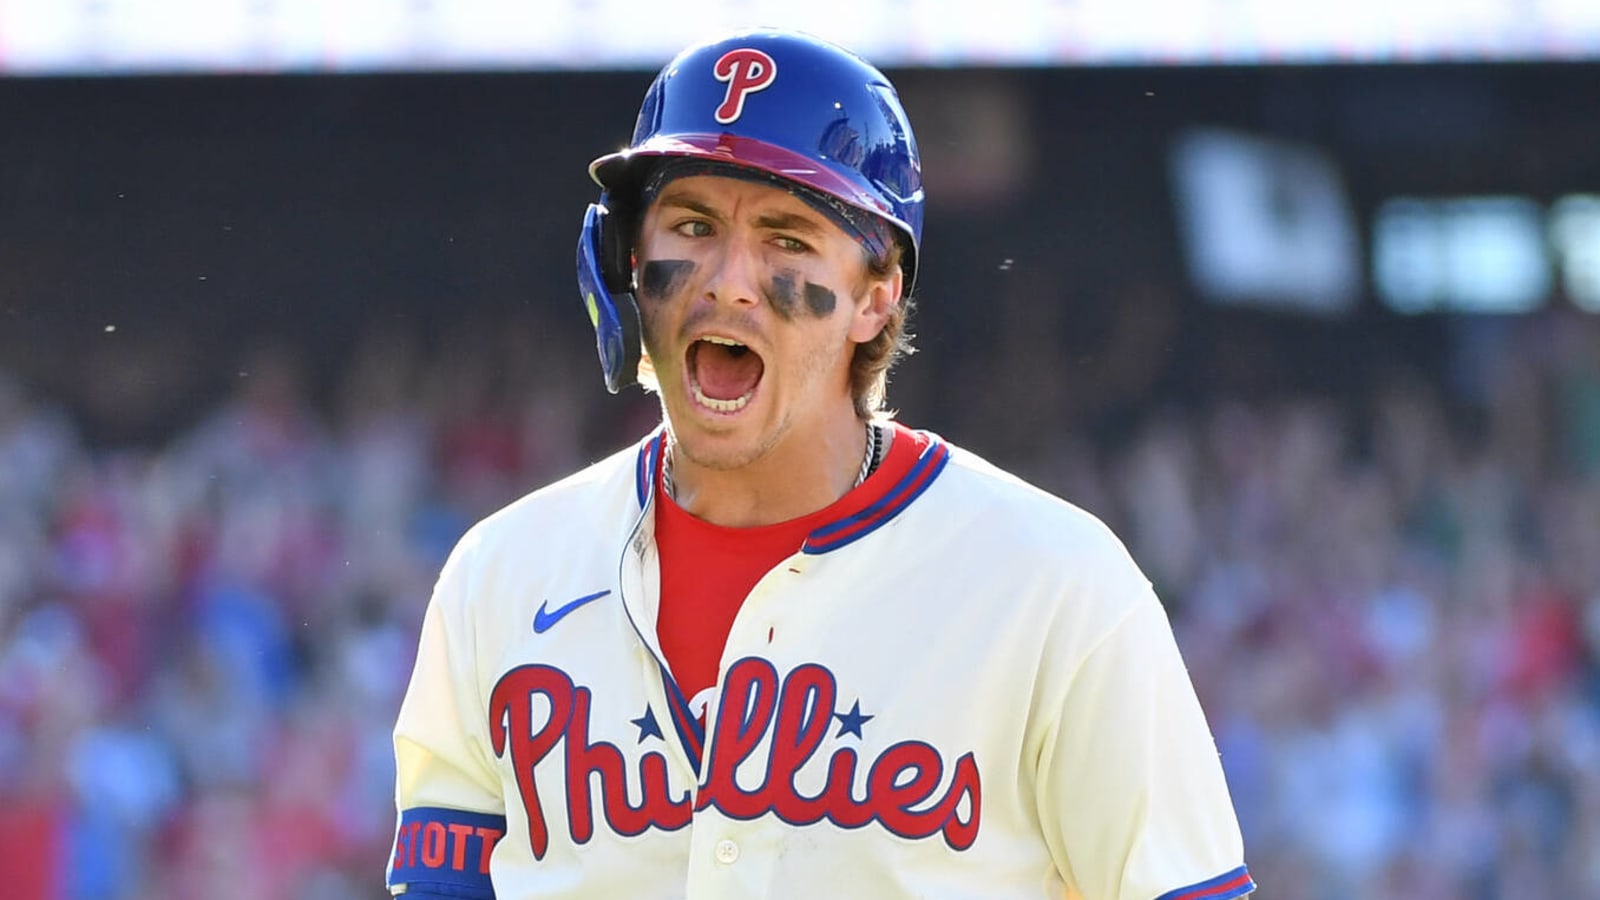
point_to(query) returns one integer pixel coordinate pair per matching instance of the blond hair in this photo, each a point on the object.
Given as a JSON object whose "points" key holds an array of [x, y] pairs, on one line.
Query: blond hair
{"points": [[869, 368]]}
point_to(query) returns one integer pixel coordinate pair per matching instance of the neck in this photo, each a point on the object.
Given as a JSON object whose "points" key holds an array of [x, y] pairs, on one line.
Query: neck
{"points": [[793, 479]]}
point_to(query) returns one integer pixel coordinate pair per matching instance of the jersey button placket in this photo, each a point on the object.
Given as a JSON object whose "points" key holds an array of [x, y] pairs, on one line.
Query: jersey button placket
{"points": [[727, 852]]}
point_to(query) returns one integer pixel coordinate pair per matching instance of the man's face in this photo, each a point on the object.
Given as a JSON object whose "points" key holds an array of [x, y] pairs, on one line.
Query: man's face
{"points": [[752, 304]]}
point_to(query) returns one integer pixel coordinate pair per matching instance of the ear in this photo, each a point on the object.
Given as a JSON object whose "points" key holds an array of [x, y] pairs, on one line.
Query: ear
{"points": [[876, 306]]}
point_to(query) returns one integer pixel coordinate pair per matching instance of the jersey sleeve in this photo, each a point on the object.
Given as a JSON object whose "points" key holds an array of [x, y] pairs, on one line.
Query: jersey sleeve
{"points": [[451, 811], [1132, 795]]}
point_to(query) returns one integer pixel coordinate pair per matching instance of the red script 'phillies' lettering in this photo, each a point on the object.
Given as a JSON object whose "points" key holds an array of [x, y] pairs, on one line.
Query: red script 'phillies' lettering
{"points": [[791, 716], [746, 71], [900, 782], [511, 724]]}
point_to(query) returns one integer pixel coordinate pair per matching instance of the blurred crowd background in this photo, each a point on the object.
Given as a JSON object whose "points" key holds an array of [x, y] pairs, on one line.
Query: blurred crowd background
{"points": [[268, 347]]}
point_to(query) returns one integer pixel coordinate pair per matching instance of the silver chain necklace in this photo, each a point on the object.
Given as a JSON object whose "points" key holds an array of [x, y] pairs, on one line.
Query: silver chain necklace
{"points": [[870, 461]]}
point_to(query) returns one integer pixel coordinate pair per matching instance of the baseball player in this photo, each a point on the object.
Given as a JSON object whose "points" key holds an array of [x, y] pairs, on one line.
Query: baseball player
{"points": [[785, 646]]}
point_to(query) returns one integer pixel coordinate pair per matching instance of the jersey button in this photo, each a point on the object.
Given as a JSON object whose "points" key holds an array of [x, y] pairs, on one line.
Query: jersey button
{"points": [[727, 852]]}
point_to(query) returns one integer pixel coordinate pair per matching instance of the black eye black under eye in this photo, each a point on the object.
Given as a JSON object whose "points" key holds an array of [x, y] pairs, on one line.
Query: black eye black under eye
{"points": [[659, 279]]}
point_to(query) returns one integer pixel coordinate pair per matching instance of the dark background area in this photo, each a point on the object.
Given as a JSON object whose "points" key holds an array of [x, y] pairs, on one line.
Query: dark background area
{"points": [[199, 216]]}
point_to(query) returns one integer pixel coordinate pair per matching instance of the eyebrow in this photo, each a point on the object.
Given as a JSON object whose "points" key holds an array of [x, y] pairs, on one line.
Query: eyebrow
{"points": [[684, 201], [784, 221]]}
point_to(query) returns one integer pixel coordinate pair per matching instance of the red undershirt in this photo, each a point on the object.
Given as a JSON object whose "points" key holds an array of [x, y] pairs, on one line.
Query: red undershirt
{"points": [[707, 570]]}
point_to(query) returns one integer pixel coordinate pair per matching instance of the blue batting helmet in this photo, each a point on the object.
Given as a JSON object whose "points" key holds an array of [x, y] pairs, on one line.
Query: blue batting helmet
{"points": [[787, 105]]}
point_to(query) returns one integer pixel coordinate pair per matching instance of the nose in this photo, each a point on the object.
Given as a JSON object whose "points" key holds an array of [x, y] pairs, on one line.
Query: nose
{"points": [[736, 277]]}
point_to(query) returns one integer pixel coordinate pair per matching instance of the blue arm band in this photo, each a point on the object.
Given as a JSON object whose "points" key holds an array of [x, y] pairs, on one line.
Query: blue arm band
{"points": [[444, 853]]}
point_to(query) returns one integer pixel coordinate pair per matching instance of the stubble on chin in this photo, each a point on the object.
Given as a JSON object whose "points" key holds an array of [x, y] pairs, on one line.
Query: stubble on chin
{"points": [[719, 451]]}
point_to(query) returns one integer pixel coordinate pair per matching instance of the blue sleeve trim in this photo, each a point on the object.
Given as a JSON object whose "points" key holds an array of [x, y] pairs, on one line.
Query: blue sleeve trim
{"points": [[441, 852], [1228, 885]]}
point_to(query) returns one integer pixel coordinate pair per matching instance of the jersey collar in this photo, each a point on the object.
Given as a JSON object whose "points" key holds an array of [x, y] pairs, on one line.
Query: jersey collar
{"points": [[831, 536]]}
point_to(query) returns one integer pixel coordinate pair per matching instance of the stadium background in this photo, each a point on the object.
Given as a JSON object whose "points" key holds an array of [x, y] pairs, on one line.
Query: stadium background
{"points": [[269, 343]]}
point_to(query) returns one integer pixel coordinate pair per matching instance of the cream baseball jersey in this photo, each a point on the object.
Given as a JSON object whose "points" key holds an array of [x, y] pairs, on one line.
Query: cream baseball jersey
{"points": [[967, 690]]}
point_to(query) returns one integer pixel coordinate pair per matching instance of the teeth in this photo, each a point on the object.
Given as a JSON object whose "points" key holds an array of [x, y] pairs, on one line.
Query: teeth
{"points": [[726, 406], [726, 342]]}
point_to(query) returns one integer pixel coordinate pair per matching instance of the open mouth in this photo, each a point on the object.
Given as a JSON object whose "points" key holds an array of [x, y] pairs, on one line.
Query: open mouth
{"points": [[723, 373]]}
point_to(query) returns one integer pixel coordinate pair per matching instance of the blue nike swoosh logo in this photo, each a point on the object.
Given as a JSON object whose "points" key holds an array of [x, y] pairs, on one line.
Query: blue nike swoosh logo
{"points": [[545, 619]]}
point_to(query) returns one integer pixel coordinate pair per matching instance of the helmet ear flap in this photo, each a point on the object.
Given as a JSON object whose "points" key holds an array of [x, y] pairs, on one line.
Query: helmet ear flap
{"points": [[605, 277], [616, 246]]}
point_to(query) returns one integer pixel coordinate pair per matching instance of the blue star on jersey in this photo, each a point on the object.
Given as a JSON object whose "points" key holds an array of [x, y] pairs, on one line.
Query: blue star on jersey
{"points": [[648, 727], [851, 722]]}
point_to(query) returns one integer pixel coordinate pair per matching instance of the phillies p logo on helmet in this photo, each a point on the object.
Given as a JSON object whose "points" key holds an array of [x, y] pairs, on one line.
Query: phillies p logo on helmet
{"points": [[746, 70]]}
